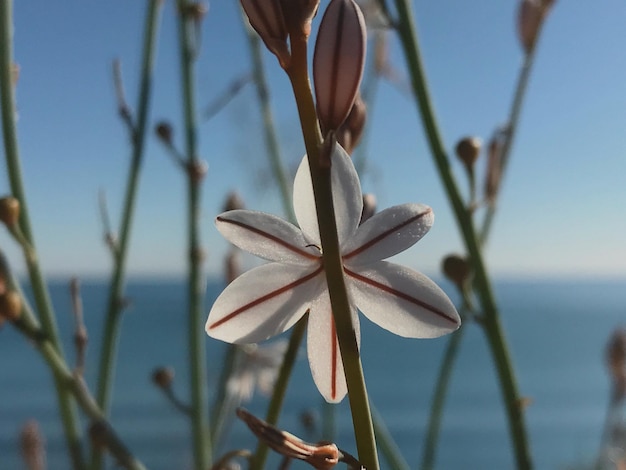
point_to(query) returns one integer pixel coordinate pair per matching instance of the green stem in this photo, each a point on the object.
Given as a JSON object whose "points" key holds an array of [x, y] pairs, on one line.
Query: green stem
{"points": [[115, 298], [439, 398], [195, 282], [493, 328], [388, 446], [271, 137], [67, 408], [112, 323], [333, 266], [280, 388]]}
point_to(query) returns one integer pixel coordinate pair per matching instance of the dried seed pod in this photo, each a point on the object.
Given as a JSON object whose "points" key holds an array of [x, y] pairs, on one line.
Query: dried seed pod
{"points": [[266, 18], [9, 210], [338, 62], [164, 132], [233, 202], [616, 362], [530, 15], [457, 269], [494, 169], [468, 150]]}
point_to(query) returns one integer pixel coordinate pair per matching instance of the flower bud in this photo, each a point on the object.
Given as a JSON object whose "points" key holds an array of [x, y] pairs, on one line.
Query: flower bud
{"points": [[494, 169], [369, 207], [164, 132], [163, 377], [266, 18], [616, 362], [468, 150], [530, 15], [232, 266], [233, 202], [32, 444], [9, 210], [351, 130], [457, 269], [298, 15], [10, 305], [338, 62]]}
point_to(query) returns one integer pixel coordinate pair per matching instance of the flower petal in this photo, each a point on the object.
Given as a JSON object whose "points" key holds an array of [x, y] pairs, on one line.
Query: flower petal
{"points": [[266, 236], [323, 350], [402, 301], [387, 233], [347, 198], [263, 302]]}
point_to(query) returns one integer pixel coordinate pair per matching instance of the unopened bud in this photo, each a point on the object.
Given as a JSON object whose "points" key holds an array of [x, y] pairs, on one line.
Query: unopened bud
{"points": [[266, 18], [164, 132], [9, 210], [10, 305], [232, 266], [351, 130], [494, 169], [369, 207], [468, 150], [530, 15], [298, 15], [338, 62], [163, 377], [616, 361], [32, 444], [457, 269], [233, 202]]}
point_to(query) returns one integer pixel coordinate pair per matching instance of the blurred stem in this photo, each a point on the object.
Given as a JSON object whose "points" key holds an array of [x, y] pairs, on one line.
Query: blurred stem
{"points": [[197, 360], [67, 408], [452, 348], [271, 137], [388, 446], [333, 267], [492, 325], [280, 388], [439, 398], [112, 324]]}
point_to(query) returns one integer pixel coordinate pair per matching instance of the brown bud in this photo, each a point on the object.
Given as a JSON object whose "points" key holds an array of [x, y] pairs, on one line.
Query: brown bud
{"points": [[232, 266], [99, 434], [338, 62], [266, 18], [494, 169], [10, 305], [233, 202], [468, 150], [198, 170], [164, 132], [457, 269], [9, 210], [369, 207], [163, 377], [351, 130], [616, 361], [298, 15], [32, 444], [530, 16]]}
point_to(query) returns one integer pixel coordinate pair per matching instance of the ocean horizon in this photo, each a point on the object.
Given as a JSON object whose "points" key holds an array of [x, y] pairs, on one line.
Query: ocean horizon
{"points": [[557, 331]]}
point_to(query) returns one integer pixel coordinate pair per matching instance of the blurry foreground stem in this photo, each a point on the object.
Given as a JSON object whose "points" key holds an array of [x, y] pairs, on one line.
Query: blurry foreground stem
{"points": [[115, 301], [188, 35], [67, 408], [493, 328]]}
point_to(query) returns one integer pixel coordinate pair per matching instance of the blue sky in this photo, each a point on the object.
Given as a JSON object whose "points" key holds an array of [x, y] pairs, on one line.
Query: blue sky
{"points": [[561, 211]]}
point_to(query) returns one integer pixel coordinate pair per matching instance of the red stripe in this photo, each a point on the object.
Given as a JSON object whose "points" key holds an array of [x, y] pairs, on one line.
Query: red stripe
{"points": [[385, 234], [266, 297], [269, 236], [402, 295]]}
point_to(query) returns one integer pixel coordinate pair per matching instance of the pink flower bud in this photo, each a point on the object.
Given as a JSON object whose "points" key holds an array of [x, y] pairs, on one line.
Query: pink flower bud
{"points": [[338, 62], [266, 17]]}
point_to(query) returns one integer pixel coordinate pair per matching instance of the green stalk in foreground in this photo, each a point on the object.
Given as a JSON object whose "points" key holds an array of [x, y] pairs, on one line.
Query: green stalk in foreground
{"points": [[67, 408], [493, 328], [195, 282], [116, 289], [359, 404]]}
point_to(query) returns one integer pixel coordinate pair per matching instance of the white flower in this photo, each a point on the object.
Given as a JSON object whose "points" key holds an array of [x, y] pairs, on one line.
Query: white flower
{"points": [[271, 298], [257, 366]]}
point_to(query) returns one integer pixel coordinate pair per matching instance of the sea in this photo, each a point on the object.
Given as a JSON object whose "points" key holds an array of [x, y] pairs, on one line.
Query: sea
{"points": [[557, 331]]}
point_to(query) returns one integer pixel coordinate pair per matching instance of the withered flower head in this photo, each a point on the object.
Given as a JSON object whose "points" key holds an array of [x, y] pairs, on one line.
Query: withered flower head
{"points": [[468, 150], [457, 269]]}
